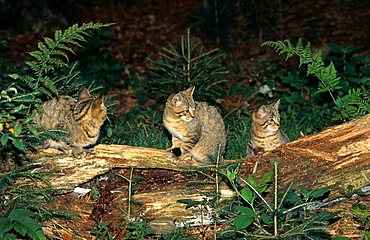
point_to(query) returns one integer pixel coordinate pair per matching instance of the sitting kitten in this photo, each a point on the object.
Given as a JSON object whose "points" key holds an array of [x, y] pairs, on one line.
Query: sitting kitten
{"points": [[82, 118], [265, 132], [197, 129]]}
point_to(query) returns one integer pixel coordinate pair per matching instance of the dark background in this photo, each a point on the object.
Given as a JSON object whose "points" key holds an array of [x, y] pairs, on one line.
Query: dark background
{"points": [[145, 26]]}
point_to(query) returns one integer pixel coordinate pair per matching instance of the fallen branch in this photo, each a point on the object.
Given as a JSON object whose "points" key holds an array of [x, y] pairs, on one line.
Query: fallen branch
{"points": [[337, 157]]}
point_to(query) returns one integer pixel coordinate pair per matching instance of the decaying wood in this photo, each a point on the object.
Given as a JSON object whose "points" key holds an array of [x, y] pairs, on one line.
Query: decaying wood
{"points": [[336, 157], [71, 172]]}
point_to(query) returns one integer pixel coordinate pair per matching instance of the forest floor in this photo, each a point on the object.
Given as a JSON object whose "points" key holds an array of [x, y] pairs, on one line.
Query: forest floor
{"points": [[145, 26]]}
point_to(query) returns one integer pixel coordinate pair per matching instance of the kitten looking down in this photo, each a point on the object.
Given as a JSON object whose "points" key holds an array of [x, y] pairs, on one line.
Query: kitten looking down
{"points": [[82, 118], [265, 132], [197, 129]]}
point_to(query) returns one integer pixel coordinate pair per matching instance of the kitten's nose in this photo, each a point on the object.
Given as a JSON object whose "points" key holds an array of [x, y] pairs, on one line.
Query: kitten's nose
{"points": [[277, 124]]}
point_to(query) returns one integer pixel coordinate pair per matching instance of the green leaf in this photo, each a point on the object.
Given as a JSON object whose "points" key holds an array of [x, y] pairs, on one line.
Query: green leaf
{"points": [[8, 236], [19, 144], [14, 76], [189, 203], [5, 225], [357, 212], [266, 177], [109, 132], [28, 119], [247, 194], [4, 139], [262, 188], [58, 35], [367, 235], [231, 174], [267, 219], [246, 211], [20, 228], [17, 130], [304, 192], [29, 227], [42, 47], [318, 192], [33, 130], [31, 224], [252, 181], [49, 42], [242, 222], [38, 235], [19, 214]]}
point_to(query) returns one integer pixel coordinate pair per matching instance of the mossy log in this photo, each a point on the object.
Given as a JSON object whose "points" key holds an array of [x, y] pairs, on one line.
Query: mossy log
{"points": [[336, 157]]}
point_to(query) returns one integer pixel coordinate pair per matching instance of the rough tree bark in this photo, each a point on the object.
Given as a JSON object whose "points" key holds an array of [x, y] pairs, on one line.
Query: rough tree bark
{"points": [[336, 157]]}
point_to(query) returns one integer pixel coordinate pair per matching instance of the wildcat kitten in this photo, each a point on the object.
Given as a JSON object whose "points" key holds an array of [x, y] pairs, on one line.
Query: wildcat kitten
{"points": [[82, 118], [265, 132], [197, 129]]}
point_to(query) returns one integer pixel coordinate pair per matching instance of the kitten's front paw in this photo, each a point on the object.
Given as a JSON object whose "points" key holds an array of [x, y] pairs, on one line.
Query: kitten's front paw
{"points": [[185, 157], [90, 151], [79, 152], [174, 159]]}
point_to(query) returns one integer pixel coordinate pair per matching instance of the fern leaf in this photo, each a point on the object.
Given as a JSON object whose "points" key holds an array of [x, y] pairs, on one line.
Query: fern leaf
{"points": [[64, 47], [352, 105], [42, 47], [56, 62], [58, 35], [36, 55], [60, 53], [49, 42], [44, 91], [47, 57], [50, 85]]}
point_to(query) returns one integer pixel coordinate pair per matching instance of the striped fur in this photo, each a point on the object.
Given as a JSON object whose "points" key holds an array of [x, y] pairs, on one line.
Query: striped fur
{"points": [[82, 118], [265, 132], [197, 129]]}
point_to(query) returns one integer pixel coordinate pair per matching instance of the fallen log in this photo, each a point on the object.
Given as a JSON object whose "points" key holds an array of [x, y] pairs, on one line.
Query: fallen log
{"points": [[337, 157]]}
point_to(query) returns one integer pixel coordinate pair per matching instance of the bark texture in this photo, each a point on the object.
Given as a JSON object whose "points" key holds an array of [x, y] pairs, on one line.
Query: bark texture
{"points": [[336, 157]]}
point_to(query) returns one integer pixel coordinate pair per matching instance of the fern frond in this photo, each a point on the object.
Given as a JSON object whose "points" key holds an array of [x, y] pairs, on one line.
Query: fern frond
{"points": [[353, 105], [329, 82], [53, 54]]}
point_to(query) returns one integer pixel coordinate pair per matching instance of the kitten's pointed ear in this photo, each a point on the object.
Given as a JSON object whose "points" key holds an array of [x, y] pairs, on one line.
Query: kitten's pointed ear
{"points": [[98, 104], [276, 104], [84, 93], [262, 111], [99, 100], [190, 91], [176, 100]]}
